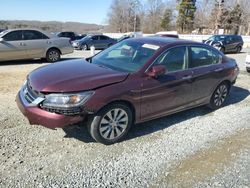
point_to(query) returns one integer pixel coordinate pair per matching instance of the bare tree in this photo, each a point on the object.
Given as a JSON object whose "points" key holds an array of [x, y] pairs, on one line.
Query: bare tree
{"points": [[153, 16], [123, 15]]}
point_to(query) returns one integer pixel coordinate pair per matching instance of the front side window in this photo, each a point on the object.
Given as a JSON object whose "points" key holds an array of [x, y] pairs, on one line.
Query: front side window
{"points": [[95, 38], [126, 56], [174, 59], [203, 57], [13, 36]]}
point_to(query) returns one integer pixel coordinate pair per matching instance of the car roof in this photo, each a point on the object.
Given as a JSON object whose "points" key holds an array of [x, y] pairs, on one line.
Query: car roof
{"points": [[164, 41], [227, 35], [21, 29]]}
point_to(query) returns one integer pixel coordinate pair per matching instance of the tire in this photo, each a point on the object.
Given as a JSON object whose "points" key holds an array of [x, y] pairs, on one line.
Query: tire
{"points": [[84, 47], [53, 55], [248, 70], [223, 50], [238, 50], [219, 96], [104, 126]]}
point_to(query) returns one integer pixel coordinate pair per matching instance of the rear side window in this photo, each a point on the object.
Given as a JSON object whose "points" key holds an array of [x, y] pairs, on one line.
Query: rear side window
{"points": [[174, 59], [13, 36], [103, 38], [203, 57], [33, 35]]}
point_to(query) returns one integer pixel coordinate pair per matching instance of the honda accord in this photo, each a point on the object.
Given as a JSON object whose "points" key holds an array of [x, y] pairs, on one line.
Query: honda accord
{"points": [[133, 81]]}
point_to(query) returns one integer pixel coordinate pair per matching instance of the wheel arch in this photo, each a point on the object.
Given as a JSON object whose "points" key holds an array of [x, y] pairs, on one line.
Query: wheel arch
{"points": [[228, 82], [56, 48], [125, 102]]}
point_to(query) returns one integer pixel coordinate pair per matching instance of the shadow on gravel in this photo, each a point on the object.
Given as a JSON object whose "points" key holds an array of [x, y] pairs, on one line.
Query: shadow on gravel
{"points": [[81, 133], [33, 61]]}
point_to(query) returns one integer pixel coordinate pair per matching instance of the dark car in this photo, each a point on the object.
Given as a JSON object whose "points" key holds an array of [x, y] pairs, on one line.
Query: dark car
{"points": [[1, 30], [226, 43], [67, 34], [79, 37], [133, 81], [98, 41], [167, 35]]}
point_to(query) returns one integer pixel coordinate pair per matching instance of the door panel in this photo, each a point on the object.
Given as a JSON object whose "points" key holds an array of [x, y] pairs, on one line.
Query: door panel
{"points": [[171, 91], [12, 48], [207, 66], [168, 92], [36, 43]]}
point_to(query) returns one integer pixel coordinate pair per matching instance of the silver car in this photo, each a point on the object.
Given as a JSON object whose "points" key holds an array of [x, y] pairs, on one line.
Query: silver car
{"points": [[16, 44]]}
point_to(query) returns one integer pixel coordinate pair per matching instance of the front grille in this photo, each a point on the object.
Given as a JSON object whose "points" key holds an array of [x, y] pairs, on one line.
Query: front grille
{"points": [[30, 94], [65, 111]]}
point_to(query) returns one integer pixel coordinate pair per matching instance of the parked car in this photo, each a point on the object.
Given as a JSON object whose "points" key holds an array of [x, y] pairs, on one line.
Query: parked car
{"points": [[133, 81], [167, 35], [79, 37], [98, 41], [124, 37], [226, 43], [1, 30], [16, 44], [248, 62], [171, 34], [67, 34]]}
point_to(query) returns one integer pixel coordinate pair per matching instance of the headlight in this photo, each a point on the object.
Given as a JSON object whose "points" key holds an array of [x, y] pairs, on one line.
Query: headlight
{"points": [[67, 100]]}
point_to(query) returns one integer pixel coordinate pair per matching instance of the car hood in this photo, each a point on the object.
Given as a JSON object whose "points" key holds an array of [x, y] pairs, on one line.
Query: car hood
{"points": [[72, 76]]}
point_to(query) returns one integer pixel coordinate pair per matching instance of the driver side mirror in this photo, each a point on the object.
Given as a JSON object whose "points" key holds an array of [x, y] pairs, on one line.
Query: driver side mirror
{"points": [[156, 70]]}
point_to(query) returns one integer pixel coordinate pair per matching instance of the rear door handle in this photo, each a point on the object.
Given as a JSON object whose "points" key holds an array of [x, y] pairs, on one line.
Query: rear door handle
{"points": [[22, 44]]}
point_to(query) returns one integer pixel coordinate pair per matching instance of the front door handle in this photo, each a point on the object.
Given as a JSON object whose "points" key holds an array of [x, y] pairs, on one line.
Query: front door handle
{"points": [[218, 70], [187, 77]]}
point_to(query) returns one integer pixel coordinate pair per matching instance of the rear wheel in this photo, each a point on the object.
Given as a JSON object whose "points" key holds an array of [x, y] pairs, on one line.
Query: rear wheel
{"points": [[219, 96], [223, 50], [53, 55], [238, 49], [84, 47], [248, 70], [111, 124]]}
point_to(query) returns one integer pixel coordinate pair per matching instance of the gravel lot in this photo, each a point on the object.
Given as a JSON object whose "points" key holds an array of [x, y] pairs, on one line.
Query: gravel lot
{"points": [[195, 148]]}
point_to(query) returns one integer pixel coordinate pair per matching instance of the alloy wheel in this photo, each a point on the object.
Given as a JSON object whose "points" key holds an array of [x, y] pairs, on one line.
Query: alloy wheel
{"points": [[53, 55], [220, 95], [113, 124]]}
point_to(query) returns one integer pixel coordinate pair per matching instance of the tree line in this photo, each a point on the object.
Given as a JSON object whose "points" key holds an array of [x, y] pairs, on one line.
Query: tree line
{"points": [[184, 16]]}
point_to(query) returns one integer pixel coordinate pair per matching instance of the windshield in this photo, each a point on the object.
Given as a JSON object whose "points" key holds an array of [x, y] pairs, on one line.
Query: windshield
{"points": [[3, 32], [216, 38], [125, 56]]}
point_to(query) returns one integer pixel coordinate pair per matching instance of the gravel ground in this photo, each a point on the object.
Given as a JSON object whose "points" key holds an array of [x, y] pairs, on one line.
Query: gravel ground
{"points": [[195, 148]]}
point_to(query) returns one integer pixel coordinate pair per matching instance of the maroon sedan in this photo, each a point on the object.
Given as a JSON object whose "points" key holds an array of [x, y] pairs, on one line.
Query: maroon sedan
{"points": [[133, 81]]}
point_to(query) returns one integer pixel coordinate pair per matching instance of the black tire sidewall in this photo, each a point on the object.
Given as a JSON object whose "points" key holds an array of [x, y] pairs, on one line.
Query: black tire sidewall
{"points": [[84, 47], [47, 55], [94, 123]]}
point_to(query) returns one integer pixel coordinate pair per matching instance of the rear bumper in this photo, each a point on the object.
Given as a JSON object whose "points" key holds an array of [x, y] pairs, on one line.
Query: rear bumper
{"points": [[37, 116], [67, 50]]}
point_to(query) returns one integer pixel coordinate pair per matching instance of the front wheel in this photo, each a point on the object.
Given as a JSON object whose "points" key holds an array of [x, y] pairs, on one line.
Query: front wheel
{"points": [[111, 124], [53, 55], [219, 96]]}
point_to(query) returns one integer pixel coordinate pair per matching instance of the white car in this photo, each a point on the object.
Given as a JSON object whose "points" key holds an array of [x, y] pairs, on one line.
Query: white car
{"points": [[16, 44], [248, 62]]}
